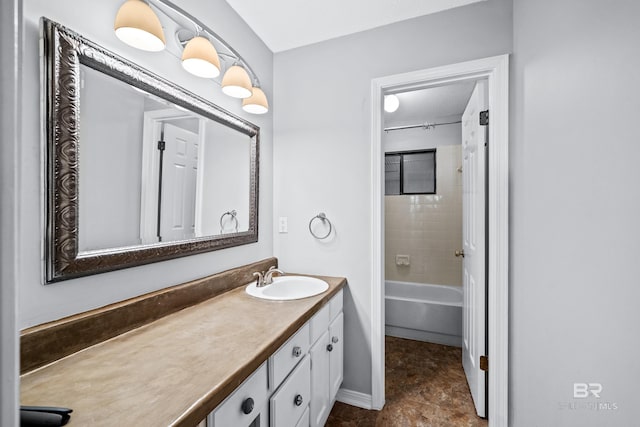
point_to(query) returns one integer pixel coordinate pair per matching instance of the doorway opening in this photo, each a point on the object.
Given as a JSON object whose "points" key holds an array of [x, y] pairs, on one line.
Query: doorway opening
{"points": [[493, 71], [434, 240]]}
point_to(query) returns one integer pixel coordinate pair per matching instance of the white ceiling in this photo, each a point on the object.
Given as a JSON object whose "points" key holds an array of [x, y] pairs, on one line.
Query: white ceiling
{"points": [[431, 104], [287, 24]]}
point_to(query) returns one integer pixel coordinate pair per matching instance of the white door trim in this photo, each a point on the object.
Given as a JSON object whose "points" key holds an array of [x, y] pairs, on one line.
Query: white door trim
{"points": [[496, 70]]}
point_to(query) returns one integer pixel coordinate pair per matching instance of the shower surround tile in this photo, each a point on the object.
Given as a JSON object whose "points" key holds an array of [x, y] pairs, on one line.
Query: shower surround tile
{"points": [[428, 227]]}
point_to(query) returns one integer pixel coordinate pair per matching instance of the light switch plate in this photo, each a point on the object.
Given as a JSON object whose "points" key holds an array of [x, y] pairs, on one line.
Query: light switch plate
{"points": [[283, 224]]}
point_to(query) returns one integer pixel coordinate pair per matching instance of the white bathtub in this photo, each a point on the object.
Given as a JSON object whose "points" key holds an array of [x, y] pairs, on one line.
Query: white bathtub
{"points": [[424, 312]]}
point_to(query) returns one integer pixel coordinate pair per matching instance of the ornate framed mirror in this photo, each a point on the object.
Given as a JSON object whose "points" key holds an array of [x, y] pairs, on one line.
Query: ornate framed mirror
{"points": [[138, 169]]}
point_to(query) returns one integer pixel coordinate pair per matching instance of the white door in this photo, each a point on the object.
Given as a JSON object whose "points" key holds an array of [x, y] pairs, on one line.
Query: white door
{"points": [[473, 236], [179, 176]]}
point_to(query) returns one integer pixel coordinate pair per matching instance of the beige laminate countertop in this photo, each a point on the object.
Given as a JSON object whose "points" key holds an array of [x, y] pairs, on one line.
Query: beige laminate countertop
{"points": [[174, 371]]}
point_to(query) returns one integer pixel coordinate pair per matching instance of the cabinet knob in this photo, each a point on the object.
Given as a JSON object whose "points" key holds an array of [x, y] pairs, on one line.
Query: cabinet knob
{"points": [[297, 351], [334, 339], [330, 347], [247, 405], [298, 400]]}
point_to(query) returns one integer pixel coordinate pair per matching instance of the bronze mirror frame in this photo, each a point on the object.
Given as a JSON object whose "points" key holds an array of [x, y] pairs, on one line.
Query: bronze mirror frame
{"points": [[64, 51]]}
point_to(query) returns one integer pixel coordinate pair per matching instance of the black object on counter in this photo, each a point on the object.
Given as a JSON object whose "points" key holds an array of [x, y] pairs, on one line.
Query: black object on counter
{"points": [[38, 416]]}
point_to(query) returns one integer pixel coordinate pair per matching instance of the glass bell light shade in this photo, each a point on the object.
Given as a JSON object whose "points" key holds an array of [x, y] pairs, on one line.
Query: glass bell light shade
{"points": [[391, 103], [138, 26], [236, 83], [256, 103], [200, 58]]}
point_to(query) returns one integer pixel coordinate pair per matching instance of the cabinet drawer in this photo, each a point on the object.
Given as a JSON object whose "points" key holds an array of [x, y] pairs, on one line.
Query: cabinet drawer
{"points": [[288, 356], [335, 305], [291, 400], [319, 323], [231, 412]]}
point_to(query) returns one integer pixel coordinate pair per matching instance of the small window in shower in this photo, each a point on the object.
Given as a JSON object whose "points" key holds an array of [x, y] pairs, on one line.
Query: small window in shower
{"points": [[410, 172]]}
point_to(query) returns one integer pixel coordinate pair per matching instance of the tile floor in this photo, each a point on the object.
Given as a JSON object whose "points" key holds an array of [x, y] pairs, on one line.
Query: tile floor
{"points": [[425, 386]]}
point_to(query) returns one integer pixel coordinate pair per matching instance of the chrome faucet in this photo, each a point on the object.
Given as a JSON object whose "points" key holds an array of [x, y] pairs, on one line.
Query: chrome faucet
{"points": [[264, 279], [268, 276]]}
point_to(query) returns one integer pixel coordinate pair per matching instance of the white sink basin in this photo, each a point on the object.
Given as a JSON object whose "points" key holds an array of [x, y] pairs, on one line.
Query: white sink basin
{"points": [[286, 288]]}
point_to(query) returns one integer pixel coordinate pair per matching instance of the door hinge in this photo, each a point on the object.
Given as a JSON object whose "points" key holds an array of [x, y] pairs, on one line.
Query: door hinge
{"points": [[484, 118], [161, 145], [484, 363]]}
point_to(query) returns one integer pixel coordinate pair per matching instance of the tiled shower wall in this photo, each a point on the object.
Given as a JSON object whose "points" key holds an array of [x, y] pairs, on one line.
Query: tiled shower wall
{"points": [[428, 228]]}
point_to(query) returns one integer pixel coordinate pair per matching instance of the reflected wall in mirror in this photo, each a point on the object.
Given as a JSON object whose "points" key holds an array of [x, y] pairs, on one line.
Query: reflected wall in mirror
{"points": [[138, 169]]}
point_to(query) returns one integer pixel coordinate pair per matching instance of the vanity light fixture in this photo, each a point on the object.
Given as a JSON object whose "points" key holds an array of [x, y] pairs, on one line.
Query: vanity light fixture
{"points": [[200, 58], [138, 26], [391, 103], [256, 103], [236, 82]]}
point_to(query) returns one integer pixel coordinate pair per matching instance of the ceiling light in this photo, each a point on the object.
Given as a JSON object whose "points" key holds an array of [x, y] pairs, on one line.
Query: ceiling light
{"points": [[200, 58], [236, 82], [138, 26], [256, 103], [391, 103]]}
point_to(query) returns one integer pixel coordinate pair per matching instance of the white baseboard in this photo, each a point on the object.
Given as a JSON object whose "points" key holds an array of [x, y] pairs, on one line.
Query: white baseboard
{"points": [[354, 398]]}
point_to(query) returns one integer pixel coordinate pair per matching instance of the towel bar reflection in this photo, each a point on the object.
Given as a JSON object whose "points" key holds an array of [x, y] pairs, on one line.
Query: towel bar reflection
{"points": [[234, 218], [322, 217]]}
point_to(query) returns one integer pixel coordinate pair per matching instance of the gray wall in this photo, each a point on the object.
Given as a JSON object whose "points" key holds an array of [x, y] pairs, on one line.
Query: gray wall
{"points": [[227, 173], [574, 211], [111, 129], [38, 303], [9, 218], [322, 144]]}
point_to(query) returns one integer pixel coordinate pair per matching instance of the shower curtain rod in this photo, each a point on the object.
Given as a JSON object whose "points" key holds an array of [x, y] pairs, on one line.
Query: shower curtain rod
{"points": [[425, 126]]}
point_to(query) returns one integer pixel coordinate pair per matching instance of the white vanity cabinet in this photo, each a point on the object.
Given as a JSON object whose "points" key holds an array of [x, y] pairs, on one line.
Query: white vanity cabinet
{"points": [[297, 386]]}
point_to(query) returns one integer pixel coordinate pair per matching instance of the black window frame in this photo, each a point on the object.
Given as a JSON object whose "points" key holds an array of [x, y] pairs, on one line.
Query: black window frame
{"points": [[401, 154]]}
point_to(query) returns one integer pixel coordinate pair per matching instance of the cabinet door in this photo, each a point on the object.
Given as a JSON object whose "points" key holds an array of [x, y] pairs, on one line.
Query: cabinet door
{"points": [[336, 355], [319, 405], [304, 421]]}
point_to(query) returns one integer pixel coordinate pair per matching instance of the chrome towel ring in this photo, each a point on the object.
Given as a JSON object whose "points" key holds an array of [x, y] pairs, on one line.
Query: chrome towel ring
{"points": [[234, 217], [322, 217]]}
